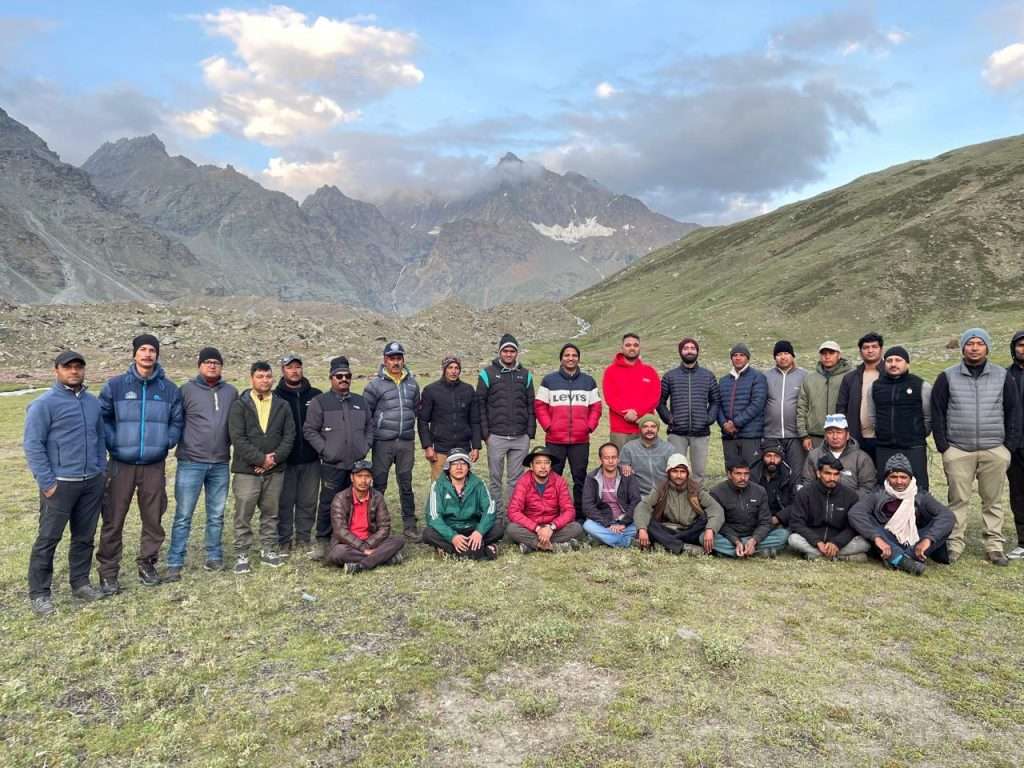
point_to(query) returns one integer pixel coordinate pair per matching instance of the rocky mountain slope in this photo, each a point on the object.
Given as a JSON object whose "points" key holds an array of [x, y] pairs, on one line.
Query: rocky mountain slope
{"points": [[61, 241]]}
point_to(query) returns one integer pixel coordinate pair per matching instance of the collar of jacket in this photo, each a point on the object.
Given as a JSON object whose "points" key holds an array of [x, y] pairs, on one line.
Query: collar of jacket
{"points": [[736, 374], [496, 362], [963, 367], [158, 373], [285, 391], [567, 375], [382, 372], [202, 383], [65, 389]]}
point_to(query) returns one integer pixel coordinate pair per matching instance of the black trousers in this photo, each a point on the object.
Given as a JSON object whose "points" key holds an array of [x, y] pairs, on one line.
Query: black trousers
{"points": [[339, 554], [296, 512], [332, 480], [917, 456], [1015, 476], [673, 539], [578, 456], [435, 539], [74, 503]]}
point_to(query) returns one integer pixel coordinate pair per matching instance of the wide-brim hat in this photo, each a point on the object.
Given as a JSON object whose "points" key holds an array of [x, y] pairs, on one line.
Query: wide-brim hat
{"points": [[540, 450]]}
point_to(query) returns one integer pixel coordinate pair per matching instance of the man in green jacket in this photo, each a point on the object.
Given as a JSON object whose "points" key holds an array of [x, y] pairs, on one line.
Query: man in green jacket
{"points": [[678, 513], [460, 515], [262, 432], [819, 394]]}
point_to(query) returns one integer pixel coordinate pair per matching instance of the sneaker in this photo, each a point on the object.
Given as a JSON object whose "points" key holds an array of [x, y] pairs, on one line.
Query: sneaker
{"points": [[561, 547], [148, 576], [213, 565], [270, 558], [910, 565], [172, 573], [771, 554], [953, 557], [996, 557], [242, 565], [110, 586], [1017, 553], [693, 550], [351, 568], [858, 557], [43, 606], [87, 593], [396, 559], [491, 552], [412, 534], [284, 551], [524, 549]]}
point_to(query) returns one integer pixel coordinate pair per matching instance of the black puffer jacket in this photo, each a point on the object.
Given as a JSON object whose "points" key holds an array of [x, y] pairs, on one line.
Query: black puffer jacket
{"points": [[449, 416], [298, 400], [1016, 374], [690, 400], [339, 429], [393, 406], [820, 514], [746, 511], [506, 399], [780, 488]]}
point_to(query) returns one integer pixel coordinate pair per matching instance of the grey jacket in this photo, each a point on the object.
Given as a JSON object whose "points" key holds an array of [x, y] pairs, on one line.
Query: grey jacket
{"points": [[393, 407], [858, 473], [338, 428], [934, 520], [780, 410], [975, 415], [648, 463], [204, 437]]}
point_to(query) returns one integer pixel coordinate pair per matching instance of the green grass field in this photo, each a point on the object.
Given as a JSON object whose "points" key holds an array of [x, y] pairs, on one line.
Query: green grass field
{"points": [[596, 658]]}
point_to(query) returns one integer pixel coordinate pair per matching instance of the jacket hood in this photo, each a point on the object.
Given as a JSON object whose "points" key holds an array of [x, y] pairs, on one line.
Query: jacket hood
{"points": [[201, 382], [1013, 345], [841, 367], [620, 361]]}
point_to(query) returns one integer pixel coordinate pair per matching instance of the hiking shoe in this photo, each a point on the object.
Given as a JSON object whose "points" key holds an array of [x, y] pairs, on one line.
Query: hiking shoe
{"points": [[953, 557], [43, 606], [148, 576], [524, 549], [87, 593], [270, 558], [213, 565], [284, 551], [242, 565], [172, 573], [412, 534], [396, 559], [491, 552], [910, 565], [1017, 553], [561, 547], [693, 550], [771, 554], [858, 557], [352, 568], [110, 586], [996, 557]]}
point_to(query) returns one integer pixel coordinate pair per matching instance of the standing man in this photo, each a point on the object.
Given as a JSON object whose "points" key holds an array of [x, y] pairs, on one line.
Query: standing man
{"points": [[858, 471], [976, 425], [856, 390], [744, 392], [609, 500], [393, 398], [338, 427], [784, 382], [819, 394], [64, 447], [203, 455], [568, 408], [540, 512], [631, 389], [646, 457], [361, 523], [449, 417], [748, 520], [689, 406], [142, 421], [297, 510], [263, 433], [1015, 473], [902, 414], [507, 421]]}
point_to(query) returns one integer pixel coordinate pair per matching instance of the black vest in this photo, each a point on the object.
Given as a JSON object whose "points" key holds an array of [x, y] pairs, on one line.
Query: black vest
{"points": [[899, 411]]}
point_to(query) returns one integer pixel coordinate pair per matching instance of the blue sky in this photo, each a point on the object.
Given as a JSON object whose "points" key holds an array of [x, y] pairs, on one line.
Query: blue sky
{"points": [[709, 112]]}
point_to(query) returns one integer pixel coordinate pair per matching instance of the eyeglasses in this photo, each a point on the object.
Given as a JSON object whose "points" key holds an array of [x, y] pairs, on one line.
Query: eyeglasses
{"points": [[341, 376], [212, 362]]}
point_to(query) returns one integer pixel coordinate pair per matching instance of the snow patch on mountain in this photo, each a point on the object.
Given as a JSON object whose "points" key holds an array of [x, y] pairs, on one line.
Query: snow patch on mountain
{"points": [[575, 231]]}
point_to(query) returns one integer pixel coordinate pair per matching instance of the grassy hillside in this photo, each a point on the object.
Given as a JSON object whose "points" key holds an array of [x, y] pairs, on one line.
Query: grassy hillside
{"points": [[918, 251]]}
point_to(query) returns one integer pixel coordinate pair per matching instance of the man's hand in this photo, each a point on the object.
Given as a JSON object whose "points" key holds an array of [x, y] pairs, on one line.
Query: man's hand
{"points": [[808, 445], [544, 536], [631, 416], [269, 460], [708, 541], [617, 528], [775, 520], [259, 470], [369, 552], [729, 428], [741, 549], [643, 539], [474, 454], [831, 550], [626, 469], [476, 540], [429, 453], [883, 547], [48, 493], [749, 547], [922, 547], [460, 542]]}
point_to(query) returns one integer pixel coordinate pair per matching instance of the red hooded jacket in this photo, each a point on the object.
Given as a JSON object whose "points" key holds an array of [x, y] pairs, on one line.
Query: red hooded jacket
{"points": [[531, 510], [626, 386]]}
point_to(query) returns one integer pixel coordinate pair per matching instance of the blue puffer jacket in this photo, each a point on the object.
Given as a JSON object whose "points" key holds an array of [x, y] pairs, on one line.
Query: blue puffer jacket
{"points": [[64, 436], [142, 418], [743, 402], [393, 407]]}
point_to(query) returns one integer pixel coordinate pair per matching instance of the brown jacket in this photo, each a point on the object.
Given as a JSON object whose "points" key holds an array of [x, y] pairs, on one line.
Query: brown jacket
{"points": [[341, 514]]}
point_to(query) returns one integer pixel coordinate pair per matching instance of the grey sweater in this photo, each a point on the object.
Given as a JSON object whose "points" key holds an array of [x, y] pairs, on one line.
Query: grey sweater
{"points": [[204, 437], [648, 462]]}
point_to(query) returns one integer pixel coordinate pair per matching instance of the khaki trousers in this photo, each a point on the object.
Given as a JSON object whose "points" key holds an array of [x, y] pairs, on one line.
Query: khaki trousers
{"points": [[989, 468]]}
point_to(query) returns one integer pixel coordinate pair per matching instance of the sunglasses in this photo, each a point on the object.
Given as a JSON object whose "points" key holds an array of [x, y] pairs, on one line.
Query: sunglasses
{"points": [[341, 376]]}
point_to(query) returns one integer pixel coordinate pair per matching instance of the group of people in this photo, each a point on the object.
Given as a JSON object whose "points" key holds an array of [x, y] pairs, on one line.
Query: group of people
{"points": [[831, 462]]}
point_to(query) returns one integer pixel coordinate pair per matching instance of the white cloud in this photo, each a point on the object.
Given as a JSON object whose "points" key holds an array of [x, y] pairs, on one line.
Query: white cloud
{"points": [[292, 77], [1005, 67], [199, 123], [605, 90], [299, 179]]}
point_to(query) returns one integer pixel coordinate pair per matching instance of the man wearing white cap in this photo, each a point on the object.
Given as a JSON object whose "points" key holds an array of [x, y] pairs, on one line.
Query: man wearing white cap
{"points": [[819, 393], [678, 513], [858, 472]]}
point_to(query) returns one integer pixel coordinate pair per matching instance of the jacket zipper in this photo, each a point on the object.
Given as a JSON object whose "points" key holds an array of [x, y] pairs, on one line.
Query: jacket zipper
{"points": [[782, 406], [85, 431], [142, 421]]}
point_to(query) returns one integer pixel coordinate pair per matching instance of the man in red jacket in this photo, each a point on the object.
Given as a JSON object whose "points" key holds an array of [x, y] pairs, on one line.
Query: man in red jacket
{"points": [[540, 512], [631, 389], [568, 408]]}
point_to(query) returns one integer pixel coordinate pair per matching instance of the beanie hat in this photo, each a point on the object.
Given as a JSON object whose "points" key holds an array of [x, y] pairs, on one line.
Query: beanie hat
{"points": [[457, 454], [210, 353], [508, 340], [339, 365], [448, 359], [772, 445], [896, 351], [783, 346], [972, 333], [688, 340], [145, 338], [568, 345], [898, 463], [648, 417], [740, 349]]}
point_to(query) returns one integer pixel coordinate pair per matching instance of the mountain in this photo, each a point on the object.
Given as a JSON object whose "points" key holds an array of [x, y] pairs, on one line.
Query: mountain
{"points": [[525, 233], [60, 241], [919, 250]]}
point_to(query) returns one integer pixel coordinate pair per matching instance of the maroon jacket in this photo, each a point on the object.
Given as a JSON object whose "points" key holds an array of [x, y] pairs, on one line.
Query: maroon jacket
{"points": [[531, 510], [341, 514]]}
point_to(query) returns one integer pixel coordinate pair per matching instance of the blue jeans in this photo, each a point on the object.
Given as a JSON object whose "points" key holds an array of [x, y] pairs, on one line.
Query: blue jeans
{"points": [[937, 551], [776, 539], [609, 537], [191, 477]]}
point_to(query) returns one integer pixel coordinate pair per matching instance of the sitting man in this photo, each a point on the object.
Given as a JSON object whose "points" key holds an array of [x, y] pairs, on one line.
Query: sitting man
{"points": [[819, 519], [540, 512], [858, 469], [773, 474], [748, 519], [460, 514], [905, 525], [609, 498], [646, 457], [361, 525], [678, 513]]}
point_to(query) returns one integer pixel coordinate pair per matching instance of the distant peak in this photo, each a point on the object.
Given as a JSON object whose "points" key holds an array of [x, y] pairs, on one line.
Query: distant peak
{"points": [[509, 157]]}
